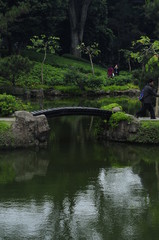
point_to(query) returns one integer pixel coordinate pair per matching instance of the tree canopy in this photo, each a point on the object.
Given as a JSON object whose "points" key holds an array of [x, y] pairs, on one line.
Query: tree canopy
{"points": [[112, 24]]}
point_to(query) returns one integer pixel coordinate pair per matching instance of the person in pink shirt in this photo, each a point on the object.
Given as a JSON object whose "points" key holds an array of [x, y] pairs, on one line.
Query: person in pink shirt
{"points": [[110, 72]]}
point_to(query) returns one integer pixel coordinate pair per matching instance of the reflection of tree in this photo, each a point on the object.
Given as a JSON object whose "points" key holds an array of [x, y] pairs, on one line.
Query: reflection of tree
{"points": [[72, 135], [90, 190], [157, 174], [86, 209], [7, 173], [23, 165]]}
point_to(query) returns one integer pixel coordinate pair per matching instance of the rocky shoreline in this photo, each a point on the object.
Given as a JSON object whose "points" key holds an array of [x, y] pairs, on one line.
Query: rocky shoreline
{"points": [[40, 93], [25, 131], [132, 130]]}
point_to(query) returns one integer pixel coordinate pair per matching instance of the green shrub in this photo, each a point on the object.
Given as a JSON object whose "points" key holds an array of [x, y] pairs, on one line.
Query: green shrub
{"points": [[128, 104], [9, 104], [120, 80], [148, 132], [118, 117], [73, 90], [74, 77], [94, 82], [4, 126], [111, 106], [52, 76], [6, 135], [13, 66], [113, 88], [84, 70], [97, 73]]}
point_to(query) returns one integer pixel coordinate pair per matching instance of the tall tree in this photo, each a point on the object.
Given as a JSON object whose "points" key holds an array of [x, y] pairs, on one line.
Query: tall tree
{"points": [[10, 12], [152, 18], [126, 19], [96, 28], [77, 15]]}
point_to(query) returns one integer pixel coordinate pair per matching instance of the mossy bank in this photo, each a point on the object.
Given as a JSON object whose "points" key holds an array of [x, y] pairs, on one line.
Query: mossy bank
{"points": [[6, 136], [123, 127]]}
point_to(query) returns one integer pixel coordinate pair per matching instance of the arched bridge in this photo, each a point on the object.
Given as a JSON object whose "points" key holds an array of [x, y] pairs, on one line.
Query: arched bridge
{"points": [[64, 111]]}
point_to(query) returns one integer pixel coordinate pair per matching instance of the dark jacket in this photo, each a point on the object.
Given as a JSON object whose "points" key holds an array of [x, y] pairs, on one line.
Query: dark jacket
{"points": [[149, 93]]}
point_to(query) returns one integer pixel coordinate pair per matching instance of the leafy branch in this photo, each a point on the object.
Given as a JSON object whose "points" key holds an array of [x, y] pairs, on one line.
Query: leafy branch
{"points": [[44, 44], [91, 51]]}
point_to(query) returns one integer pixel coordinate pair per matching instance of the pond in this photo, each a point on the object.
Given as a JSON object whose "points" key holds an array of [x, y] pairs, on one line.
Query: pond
{"points": [[79, 188]]}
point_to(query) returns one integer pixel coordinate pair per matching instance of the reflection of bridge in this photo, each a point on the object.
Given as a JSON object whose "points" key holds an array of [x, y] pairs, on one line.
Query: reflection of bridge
{"points": [[63, 111]]}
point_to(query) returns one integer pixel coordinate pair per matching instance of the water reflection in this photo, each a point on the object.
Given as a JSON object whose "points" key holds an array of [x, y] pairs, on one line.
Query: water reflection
{"points": [[105, 208], [129, 104], [22, 165], [79, 188]]}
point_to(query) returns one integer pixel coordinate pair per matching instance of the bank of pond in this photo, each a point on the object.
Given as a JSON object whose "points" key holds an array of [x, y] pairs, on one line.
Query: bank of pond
{"points": [[25, 130]]}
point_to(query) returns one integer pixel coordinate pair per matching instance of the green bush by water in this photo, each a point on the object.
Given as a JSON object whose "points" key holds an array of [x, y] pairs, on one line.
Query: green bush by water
{"points": [[123, 79], [9, 104], [148, 132], [4, 126], [12, 67], [6, 136], [72, 90], [129, 105], [74, 77], [111, 106], [52, 76], [117, 117], [113, 88]]}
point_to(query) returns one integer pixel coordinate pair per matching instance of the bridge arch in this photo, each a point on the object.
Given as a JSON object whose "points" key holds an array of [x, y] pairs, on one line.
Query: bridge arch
{"points": [[65, 111]]}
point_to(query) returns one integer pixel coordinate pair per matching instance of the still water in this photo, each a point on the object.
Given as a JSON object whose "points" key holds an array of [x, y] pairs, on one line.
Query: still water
{"points": [[79, 188]]}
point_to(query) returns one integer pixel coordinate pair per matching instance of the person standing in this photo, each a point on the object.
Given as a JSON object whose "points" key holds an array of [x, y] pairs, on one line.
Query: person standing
{"points": [[116, 70], [110, 72], [149, 93]]}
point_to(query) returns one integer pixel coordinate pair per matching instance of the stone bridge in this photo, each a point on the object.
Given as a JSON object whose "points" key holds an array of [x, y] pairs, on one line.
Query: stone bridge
{"points": [[64, 111]]}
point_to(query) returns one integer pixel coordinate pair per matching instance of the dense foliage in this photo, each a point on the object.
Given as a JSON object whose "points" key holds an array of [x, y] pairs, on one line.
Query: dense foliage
{"points": [[111, 25], [9, 104], [111, 106], [148, 133], [117, 117], [14, 66]]}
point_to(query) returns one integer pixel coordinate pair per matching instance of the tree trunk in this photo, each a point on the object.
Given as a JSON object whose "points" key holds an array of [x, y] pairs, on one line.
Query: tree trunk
{"points": [[129, 63], [143, 68], [74, 43], [77, 16], [157, 100], [90, 57], [42, 65]]}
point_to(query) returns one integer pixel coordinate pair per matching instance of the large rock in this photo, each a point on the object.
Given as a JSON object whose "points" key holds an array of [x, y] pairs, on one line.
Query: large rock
{"points": [[124, 131], [116, 109], [29, 130]]}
